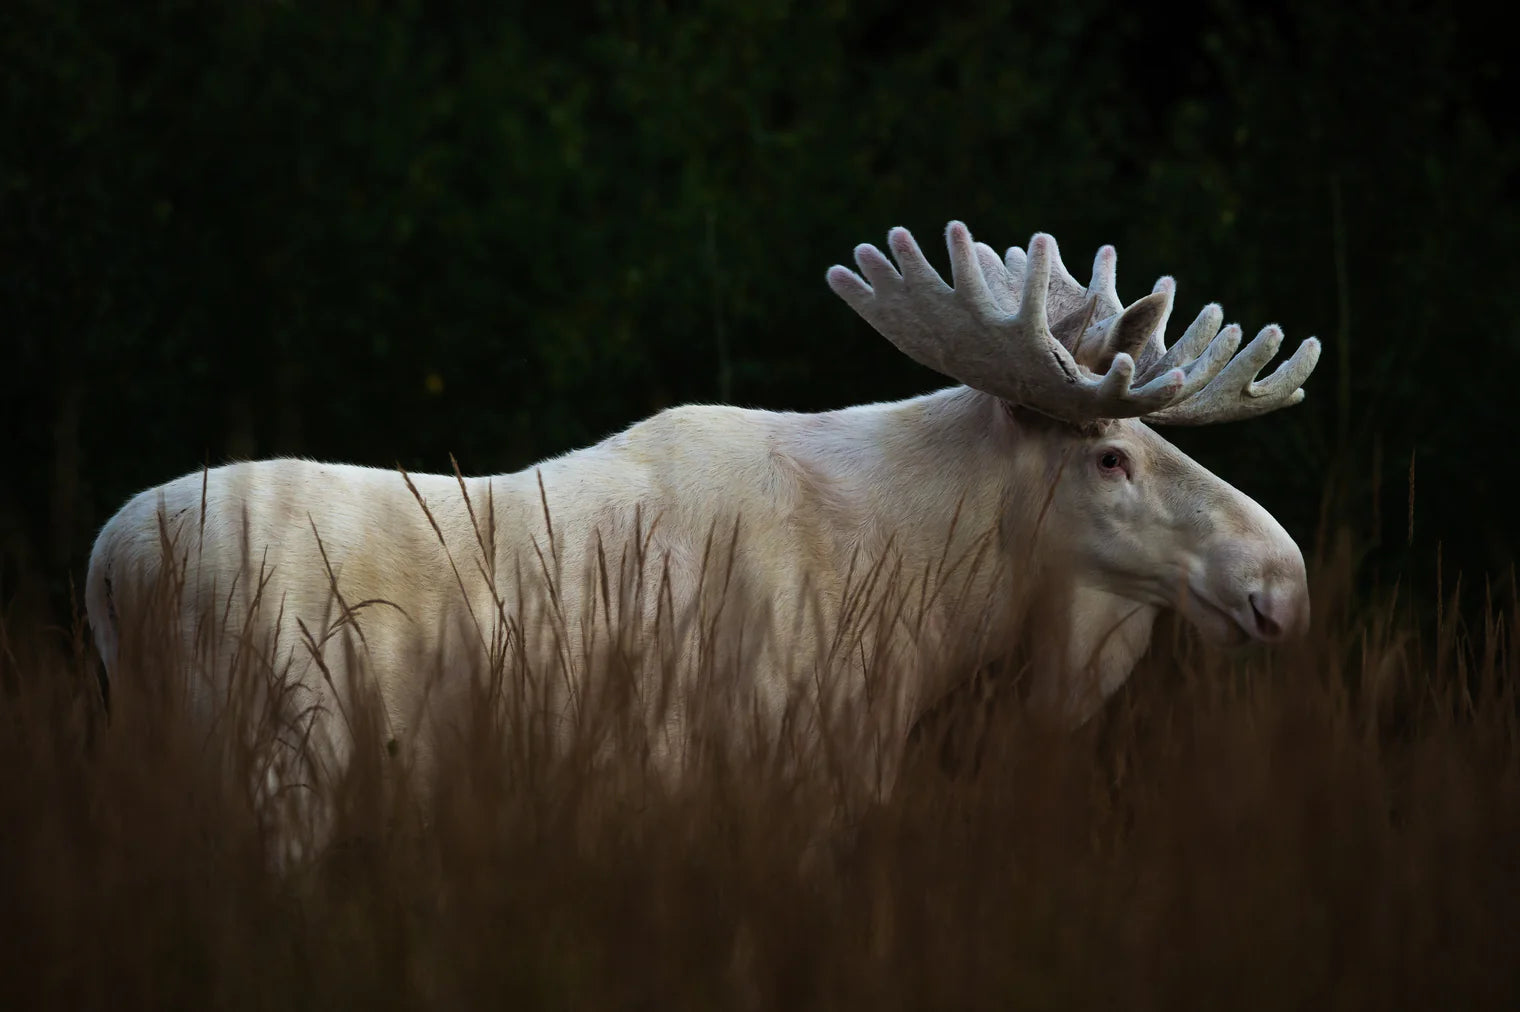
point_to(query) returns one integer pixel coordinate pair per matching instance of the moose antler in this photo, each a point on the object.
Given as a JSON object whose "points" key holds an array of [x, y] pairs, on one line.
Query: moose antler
{"points": [[992, 331], [1229, 388]]}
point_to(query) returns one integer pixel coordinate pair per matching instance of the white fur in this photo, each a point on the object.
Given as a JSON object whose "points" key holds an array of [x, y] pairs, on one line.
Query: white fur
{"points": [[951, 511]]}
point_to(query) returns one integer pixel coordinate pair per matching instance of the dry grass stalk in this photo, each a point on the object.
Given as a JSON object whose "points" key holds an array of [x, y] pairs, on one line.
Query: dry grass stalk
{"points": [[1333, 824]]}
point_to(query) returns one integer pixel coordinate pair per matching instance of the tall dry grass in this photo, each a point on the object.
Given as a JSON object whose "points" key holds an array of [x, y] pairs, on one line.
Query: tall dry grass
{"points": [[1335, 824]]}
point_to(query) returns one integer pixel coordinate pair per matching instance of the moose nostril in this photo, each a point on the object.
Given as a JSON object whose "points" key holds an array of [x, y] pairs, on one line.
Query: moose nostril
{"points": [[1261, 608]]}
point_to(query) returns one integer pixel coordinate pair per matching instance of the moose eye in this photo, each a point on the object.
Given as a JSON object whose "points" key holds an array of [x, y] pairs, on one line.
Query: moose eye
{"points": [[1112, 462]]}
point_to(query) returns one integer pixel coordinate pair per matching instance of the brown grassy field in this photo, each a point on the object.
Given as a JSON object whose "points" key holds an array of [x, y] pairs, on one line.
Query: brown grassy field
{"points": [[1335, 824]]}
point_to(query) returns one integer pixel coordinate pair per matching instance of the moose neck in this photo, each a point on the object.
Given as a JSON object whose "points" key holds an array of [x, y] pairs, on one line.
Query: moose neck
{"points": [[1105, 635], [908, 478], [948, 492]]}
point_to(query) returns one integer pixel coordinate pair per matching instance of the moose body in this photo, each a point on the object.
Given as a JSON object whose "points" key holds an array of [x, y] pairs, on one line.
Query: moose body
{"points": [[796, 554], [770, 512]]}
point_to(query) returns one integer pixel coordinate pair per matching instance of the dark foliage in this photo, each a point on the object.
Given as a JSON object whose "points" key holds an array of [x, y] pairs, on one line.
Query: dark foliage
{"points": [[386, 232]]}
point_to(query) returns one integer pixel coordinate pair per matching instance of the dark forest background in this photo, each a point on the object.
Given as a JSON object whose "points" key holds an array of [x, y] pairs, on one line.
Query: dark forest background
{"points": [[384, 233]]}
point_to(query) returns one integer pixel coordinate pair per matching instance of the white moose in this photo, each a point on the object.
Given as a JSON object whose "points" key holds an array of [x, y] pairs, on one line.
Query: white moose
{"points": [[796, 554]]}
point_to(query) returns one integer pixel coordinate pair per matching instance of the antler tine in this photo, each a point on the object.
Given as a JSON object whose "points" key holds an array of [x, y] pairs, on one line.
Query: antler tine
{"points": [[1199, 335], [967, 331], [1007, 290], [1066, 295], [1074, 307], [1155, 345], [1102, 288], [1234, 393]]}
